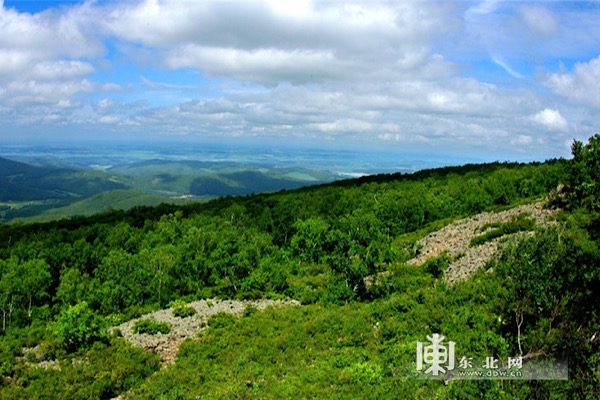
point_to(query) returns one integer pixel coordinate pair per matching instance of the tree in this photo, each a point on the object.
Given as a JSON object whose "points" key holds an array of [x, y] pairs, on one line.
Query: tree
{"points": [[584, 174], [7, 297], [73, 286], [160, 263], [78, 326], [35, 280], [10, 288], [552, 281], [114, 275], [309, 242]]}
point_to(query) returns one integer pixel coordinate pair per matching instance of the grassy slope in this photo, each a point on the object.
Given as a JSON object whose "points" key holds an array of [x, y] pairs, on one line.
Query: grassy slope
{"points": [[354, 351], [114, 199]]}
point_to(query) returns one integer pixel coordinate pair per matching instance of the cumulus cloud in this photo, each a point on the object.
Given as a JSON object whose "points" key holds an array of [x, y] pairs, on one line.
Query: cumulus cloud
{"points": [[267, 43], [397, 72], [259, 24], [33, 92], [582, 85], [343, 126], [29, 39], [41, 55], [551, 119], [59, 70]]}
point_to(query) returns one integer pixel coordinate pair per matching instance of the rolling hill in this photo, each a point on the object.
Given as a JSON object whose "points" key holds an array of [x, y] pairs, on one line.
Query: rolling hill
{"points": [[24, 182], [120, 199], [213, 179], [31, 193]]}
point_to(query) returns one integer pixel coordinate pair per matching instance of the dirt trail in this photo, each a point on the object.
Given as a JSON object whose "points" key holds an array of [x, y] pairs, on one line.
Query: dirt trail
{"points": [[456, 237]]}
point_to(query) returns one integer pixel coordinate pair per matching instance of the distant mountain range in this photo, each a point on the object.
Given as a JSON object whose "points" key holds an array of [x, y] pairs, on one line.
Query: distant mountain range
{"points": [[31, 192], [24, 182]]}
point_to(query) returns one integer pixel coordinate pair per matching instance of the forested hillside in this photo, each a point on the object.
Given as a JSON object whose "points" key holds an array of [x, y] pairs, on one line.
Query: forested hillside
{"points": [[31, 193], [64, 283], [24, 182]]}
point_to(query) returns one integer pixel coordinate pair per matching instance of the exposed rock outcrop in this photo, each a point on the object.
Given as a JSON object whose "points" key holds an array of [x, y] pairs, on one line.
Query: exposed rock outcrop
{"points": [[456, 237]]}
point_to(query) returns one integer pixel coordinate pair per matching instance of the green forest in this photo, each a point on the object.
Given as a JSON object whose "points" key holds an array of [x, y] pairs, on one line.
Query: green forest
{"points": [[64, 283]]}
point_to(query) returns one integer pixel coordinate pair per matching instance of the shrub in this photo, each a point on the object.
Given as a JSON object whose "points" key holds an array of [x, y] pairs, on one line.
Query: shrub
{"points": [[437, 265], [584, 174], [518, 224], [249, 310], [151, 327], [78, 327], [221, 320], [184, 311]]}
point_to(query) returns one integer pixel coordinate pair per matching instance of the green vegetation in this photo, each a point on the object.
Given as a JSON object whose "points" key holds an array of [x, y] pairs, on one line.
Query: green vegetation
{"points": [[78, 327], [206, 178], [23, 182], [104, 372], [182, 310], [101, 202], [32, 194], [520, 223], [437, 265], [538, 299], [150, 327]]}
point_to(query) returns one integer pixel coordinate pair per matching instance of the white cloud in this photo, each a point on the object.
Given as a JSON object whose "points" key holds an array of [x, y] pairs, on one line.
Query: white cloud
{"points": [[540, 20], [482, 8], [265, 66], [395, 72], [39, 56], [38, 37], [522, 140], [582, 85], [33, 92], [343, 126], [551, 119], [59, 70], [533, 32], [111, 87], [259, 24], [506, 67], [267, 43]]}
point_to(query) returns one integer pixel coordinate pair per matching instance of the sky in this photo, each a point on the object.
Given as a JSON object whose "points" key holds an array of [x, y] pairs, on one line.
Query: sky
{"points": [[498, 80]]}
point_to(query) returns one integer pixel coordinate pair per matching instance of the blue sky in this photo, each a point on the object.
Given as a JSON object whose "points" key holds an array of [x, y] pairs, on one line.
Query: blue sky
{"points": [[491, 79]]}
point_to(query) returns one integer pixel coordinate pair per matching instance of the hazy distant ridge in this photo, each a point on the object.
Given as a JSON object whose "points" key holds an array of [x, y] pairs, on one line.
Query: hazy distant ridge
{"points": [[29, 191], [23, 182]]}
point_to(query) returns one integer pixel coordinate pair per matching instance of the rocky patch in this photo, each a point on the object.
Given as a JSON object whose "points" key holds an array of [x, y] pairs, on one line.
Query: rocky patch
{"points": [[167, 345], [456, 237]]}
